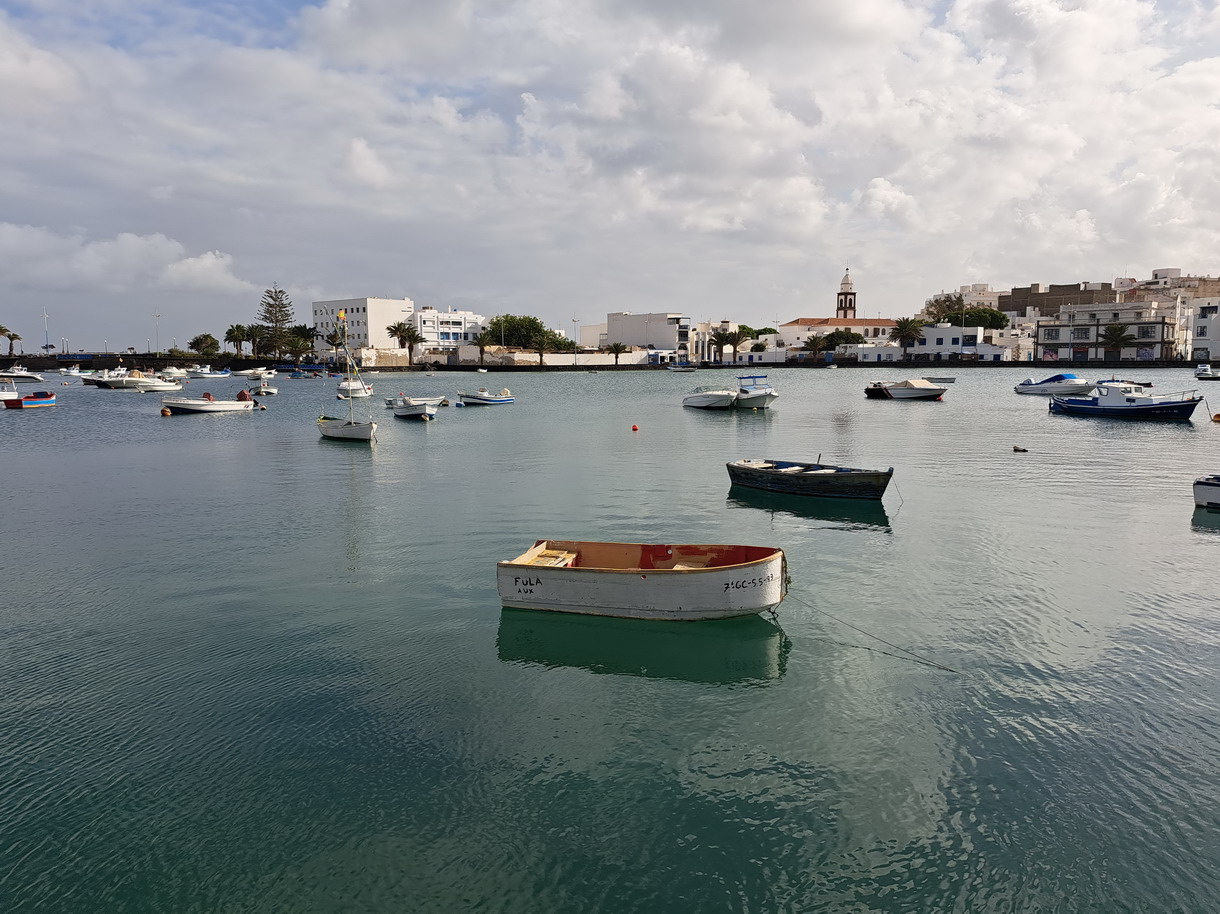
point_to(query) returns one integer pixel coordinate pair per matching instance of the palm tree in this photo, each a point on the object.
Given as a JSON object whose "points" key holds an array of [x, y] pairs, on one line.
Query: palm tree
{"points": [[735, 339], [4, 332], [719, 340], [816, 343], [411, 338], [13, 337], [617, 349], [906, 331], [399, 330], [541, 343], [483, 340], [297, 348], [1116, 337], [236, 334], [257, 337]]}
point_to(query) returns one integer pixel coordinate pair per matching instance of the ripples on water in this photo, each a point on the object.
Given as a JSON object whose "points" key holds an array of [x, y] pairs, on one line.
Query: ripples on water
{"points": [[247, 669]]}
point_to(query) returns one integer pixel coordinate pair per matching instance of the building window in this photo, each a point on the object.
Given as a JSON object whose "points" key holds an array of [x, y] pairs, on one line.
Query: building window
{"points": [[1201, 330], [922, 341], [940, 341], [953, 342], [1146, 333], [1114, 316], [1050, 333], [1080, 333]]}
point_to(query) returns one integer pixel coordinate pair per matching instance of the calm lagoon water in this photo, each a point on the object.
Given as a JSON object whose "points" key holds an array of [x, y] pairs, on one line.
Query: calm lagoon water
{"points": [[247, 669]]}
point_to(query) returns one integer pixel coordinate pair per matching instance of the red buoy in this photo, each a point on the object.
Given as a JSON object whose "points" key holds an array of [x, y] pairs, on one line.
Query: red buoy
{"points": [[635, 428]]}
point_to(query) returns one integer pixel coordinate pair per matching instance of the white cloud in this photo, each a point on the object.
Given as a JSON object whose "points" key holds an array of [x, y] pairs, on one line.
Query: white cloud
{"points": [[549, 156]]}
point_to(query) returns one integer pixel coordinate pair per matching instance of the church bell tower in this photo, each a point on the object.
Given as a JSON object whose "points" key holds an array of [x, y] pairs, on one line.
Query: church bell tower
{"points": [[846, 307]]}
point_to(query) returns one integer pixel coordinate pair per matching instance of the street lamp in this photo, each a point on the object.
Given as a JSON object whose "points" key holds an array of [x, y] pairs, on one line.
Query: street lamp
{"points": [[575, 338], [157, 318]]}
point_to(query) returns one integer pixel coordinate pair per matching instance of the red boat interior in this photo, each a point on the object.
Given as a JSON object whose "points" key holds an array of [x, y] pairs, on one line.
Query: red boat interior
{"points": [[631, 556]]}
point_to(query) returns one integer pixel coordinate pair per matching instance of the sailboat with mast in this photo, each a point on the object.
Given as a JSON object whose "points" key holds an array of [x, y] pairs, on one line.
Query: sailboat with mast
{"points": [[350, 428]]}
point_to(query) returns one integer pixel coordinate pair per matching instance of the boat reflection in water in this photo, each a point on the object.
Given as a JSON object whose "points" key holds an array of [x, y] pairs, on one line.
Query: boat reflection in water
{"points": [[849, 512], [1206, 520], [743, 649]]}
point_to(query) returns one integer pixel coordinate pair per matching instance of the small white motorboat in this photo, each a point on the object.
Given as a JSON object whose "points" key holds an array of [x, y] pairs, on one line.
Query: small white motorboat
{"points": [[1062, 385], [72, 371], [916, 389], [484, 397], [20, 374], [264, 390], [680, 366], [207, 371], [251, 373], [710, 398], [173, 372], [8, 391], [1207, 492], [1204, 372], [753, 392], [354, 388], [416, 407], [205, 404], [644, 581]]}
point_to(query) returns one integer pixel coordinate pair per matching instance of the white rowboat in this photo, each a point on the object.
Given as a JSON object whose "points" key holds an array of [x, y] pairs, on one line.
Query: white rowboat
{"points": [[644, 581]]}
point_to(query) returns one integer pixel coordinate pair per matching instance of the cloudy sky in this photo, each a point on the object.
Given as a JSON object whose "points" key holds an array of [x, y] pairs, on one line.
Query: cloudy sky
{"points": [[566, 158]]}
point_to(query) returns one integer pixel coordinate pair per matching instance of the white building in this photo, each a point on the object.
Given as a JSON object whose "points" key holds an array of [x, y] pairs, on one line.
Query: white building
{"points": [[940, 342], [1205, 330], [665, 331], [368, 318]]}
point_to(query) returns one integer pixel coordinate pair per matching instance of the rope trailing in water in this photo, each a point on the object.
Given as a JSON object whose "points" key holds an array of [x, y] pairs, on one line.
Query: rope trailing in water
{"points": [[910, 655]]}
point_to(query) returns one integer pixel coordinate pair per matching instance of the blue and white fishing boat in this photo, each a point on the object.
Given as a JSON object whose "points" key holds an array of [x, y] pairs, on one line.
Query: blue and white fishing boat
{"points": [[1124, 400], [1063, 385]]}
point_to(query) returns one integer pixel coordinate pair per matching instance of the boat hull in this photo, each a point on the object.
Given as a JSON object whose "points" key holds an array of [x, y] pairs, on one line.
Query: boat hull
{"points": [[675, 593], [903, 393], [406, 408], [755, 400], [183, 405], [724, 399], [31, 401], [818, 480], [1207, 492], [346, 430], [476, 400], [1174, 411]]}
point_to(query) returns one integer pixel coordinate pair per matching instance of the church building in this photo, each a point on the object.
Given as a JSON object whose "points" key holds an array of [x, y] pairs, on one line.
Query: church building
{"points": [[794, 334]]}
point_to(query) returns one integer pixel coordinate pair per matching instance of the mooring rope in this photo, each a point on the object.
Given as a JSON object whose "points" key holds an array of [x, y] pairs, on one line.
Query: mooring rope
{"points": [[911, 655]]}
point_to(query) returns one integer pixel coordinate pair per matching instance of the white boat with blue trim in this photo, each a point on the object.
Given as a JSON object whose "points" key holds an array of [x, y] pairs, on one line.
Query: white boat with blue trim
{"points": [[754, 392], [1064, 385], [484, 397]]}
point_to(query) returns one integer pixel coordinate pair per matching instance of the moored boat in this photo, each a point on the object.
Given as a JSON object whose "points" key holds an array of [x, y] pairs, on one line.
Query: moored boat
{"points": [[205, 404], [680, 366], [20, 374], [1123, 400], [1207, 492], [792, 477], [644, 581], [1066, 384], [484, 397], [939, 380], [1204, 372], [207, 371], [32, 400], [754, 392], [914, 389], [352, 388], [416, 407], [8, 391], [264, 390], [711, 398]]}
